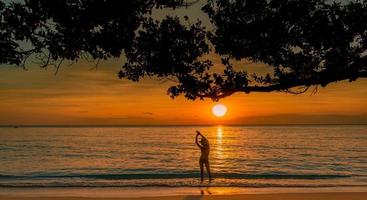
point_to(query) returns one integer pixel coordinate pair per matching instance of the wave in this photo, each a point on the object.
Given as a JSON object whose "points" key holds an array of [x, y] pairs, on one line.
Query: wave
{"points": [[175, 176], [180, 180], [170, 185]]}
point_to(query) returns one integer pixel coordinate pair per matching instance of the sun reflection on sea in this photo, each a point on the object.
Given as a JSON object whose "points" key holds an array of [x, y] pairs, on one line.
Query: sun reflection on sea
{"points": [[218, 149], [219, 134]]}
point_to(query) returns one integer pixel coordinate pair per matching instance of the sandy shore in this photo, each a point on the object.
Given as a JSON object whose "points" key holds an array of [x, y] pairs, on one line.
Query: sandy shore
{"points": [[284, 196], [191, 193]]}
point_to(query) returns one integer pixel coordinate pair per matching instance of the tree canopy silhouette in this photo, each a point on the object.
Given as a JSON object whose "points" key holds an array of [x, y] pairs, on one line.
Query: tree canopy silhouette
{"points": [[305, 43]]}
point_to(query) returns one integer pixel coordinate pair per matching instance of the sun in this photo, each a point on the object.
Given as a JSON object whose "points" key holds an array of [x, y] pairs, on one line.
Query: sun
{"points": [[219, 110]]}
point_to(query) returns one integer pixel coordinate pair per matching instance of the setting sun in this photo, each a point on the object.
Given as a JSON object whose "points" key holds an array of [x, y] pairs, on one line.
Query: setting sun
{"points": [[219, 110]]}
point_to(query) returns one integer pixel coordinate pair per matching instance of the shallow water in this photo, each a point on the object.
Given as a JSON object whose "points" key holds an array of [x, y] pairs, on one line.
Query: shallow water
{"points": [[258, 156]]}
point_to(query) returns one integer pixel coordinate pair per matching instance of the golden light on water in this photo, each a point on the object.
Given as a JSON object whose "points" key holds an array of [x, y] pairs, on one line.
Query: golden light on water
{"points": [[219, 151], [219, 110], [219, 134]]}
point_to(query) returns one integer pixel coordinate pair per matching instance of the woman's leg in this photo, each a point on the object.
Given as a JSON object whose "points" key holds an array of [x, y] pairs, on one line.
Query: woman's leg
{"points": [[201, 170], [207, 166]]}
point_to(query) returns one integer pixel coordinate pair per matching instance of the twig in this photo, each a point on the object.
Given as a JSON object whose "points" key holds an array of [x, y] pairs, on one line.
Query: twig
{"points": [[58, 66]]}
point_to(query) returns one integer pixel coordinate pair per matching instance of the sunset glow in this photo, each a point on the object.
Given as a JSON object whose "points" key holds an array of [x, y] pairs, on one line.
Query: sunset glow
{"points": [[78, 95]]}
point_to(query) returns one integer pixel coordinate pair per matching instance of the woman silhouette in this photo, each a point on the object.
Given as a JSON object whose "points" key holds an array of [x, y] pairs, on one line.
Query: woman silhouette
{"points": [[204, 158]]}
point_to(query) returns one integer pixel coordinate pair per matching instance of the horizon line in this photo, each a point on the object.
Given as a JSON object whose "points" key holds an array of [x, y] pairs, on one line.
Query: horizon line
{"points": [[172, 125]]}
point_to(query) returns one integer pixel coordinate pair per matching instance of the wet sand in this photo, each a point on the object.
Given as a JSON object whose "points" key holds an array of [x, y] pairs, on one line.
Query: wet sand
{"points": [[281, 196]]}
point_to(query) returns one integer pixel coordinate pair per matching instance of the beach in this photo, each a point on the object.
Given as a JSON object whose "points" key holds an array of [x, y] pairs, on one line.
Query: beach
{"points": [[184, 193], [183, 100]]}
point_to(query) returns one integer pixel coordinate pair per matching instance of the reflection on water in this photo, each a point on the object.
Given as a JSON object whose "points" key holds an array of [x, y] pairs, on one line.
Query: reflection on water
{"points": [[150, 156], [219, 134], [205, 191], [218, 151]]}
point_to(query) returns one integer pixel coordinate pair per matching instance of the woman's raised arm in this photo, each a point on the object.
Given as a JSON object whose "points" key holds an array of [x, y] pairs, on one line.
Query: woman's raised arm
{"points": [[196, 139]]}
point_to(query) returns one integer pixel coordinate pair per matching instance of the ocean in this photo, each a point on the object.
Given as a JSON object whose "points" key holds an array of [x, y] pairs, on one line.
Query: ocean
{"points": [[135, 157]]}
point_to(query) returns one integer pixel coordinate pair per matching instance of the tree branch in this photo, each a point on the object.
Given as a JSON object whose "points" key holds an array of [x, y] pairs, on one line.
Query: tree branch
{"points": [[323, 81]]}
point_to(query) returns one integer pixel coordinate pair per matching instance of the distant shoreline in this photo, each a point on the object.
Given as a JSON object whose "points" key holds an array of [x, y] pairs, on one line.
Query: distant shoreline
{"points": [[171, 125]]}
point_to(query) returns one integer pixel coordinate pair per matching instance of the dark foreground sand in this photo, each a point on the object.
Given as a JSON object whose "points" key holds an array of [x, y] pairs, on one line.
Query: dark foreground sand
{"points": [[283, 196]]}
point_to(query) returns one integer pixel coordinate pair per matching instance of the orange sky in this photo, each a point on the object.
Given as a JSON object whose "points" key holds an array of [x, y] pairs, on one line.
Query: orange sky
{"points": [[80, 96]]}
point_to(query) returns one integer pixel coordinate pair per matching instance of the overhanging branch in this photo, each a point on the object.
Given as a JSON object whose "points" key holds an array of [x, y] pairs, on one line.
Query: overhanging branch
{"points": [[323, 81]]}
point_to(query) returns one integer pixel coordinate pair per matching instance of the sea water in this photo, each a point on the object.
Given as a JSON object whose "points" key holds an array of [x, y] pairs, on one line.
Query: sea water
{"points": [[240, 156]]}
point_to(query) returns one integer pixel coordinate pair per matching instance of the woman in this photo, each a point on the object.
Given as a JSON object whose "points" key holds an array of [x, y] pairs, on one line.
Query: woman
{"points": [[204, 158]]}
